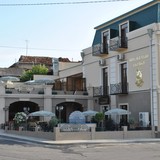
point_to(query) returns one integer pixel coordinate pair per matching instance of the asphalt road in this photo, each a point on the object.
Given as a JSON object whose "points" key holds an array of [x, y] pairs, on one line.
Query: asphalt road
{"points": [[14, 149]]}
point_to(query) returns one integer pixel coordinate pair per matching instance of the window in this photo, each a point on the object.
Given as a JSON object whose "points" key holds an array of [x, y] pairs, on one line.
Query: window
{"points": [[123, 77], [124, 29], [105, 41], [124, 118], [105, 81], [104, 108]]}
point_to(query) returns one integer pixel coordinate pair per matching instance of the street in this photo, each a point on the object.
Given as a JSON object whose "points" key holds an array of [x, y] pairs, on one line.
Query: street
{"points": [[11, 149]]}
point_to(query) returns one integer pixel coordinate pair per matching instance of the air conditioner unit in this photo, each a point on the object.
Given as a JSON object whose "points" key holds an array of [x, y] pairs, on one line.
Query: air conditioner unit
{"points": [[120, 57], [102, 62], [143, 119]]}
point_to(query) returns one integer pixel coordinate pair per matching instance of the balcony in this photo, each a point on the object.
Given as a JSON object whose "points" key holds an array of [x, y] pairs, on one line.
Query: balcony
{"points": [[100, 91], [100, 49], [24, 89], [118, 88], [41, 90], [118, 43]]}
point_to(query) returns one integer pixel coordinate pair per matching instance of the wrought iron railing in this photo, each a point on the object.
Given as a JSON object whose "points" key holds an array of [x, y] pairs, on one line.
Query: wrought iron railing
{"points": [[118, 43], [74, 128], [119, 88], [99, 49], [100, 91]]}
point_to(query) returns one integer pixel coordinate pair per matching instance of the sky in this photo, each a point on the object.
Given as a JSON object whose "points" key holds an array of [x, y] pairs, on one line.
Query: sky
{"points": [[57, 30]]}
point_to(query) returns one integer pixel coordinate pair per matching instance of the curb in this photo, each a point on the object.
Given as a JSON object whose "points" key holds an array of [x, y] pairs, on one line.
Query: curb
{"points": [[76, 142]]}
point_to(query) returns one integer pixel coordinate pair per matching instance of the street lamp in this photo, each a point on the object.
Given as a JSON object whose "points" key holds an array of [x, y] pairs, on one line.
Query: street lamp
{"points": [[59, 109], [26, 110]]}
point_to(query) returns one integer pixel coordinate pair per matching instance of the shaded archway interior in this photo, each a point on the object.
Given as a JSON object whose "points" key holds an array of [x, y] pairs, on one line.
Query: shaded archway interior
{"points": [[68, 108], [29, 107], [22, 106]]}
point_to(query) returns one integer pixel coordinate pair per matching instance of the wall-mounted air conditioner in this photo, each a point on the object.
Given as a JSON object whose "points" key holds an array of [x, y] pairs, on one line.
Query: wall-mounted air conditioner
{"points": [[120, 57], [102, 62], [143, 119]]}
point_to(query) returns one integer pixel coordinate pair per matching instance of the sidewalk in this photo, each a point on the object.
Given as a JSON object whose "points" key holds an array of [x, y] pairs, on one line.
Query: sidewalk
{"points": [[65, 142]]}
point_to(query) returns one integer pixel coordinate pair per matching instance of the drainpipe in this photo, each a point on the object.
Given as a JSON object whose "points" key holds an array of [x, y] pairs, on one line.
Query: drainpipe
{"points": [[150, 34]]}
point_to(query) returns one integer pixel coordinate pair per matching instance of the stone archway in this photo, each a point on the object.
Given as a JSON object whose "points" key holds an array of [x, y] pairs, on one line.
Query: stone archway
{"points": [[21, 106], [68, 108]]}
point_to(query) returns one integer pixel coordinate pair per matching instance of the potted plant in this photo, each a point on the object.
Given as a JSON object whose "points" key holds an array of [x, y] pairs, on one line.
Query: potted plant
{"points": [[19, 119], [99, 117], [41, 92], [54, 92], [8, 92]]}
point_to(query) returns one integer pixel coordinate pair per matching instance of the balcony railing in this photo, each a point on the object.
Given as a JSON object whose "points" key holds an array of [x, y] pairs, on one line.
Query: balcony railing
{"points": [[39, 90], [118, 43], [99, 49], [100, 91], [118, 88]]}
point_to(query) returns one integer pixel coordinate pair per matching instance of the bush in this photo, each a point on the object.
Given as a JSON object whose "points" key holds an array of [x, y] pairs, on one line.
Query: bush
{"points": [[20, 118], [99, 117], [52, 123], [110, 125]]}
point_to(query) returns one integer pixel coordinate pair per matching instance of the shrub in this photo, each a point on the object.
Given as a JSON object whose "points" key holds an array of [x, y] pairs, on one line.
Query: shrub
{"points": [[52, 123], [19, 118]]}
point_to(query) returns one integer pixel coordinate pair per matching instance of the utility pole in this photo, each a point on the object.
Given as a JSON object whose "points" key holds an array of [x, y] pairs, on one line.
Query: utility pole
{"points": [[26, 47]]}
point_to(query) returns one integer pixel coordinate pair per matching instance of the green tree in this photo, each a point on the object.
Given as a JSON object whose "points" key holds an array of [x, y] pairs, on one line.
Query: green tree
{"points": [[53, 122], [99, 117], [40, 69], [36, 70]]}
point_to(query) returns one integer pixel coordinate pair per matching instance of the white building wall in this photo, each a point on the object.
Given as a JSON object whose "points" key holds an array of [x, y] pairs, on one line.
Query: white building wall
{"points": [[113, 71], [91, 69], [137, 56], [70, 71], [3, 111]]}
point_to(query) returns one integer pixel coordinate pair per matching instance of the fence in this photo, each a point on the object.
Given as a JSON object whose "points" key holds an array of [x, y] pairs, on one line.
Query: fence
{"points": [[86, 135]]}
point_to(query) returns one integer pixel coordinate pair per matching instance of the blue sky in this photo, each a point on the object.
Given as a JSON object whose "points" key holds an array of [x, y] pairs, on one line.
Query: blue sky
{"points": [[55, 30]]}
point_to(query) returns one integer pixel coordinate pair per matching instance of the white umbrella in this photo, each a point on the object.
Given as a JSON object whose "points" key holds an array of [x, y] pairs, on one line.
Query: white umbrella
{"points": [[76, 117], [117, 111], [42, 113], [40, 81], [89, 113], [9, 78]]}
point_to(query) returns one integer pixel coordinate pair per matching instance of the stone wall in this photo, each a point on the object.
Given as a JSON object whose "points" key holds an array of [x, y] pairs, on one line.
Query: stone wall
{"points": [[89, 135]]}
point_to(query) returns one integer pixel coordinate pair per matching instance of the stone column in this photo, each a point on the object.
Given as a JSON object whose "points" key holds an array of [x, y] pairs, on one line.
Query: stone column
{"points": [[56, 133], [47, 100], [93, 131]]}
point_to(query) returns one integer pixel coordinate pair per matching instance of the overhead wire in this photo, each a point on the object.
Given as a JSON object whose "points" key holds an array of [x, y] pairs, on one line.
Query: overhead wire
{"points": [[51, 49], [56, 3], [50, 3]]}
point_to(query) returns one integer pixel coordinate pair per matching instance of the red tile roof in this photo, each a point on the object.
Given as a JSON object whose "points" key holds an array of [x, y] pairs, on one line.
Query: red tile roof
{"points": [[40, 60]]}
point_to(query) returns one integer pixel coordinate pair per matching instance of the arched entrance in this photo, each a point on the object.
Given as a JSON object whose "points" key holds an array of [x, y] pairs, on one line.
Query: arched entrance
{"points": [[63, 110], [22, 106]]}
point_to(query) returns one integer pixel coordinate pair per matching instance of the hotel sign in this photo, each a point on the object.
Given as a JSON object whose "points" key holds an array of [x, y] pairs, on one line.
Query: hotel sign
{"points": [[138, 62]]}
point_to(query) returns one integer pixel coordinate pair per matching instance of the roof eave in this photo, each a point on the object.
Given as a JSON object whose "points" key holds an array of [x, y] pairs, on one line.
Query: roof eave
{"points": [[127, 14]]}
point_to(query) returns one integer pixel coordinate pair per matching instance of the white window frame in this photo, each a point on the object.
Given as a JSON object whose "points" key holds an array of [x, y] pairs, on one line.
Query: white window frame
{"points": [[122, 104], [125, 22], [102, 106], [119, 70], [107, 30], [102, 74]]}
